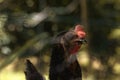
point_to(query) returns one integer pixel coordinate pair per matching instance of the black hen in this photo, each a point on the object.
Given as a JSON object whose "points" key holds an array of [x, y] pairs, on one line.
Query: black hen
{"points": [[64, 64]]}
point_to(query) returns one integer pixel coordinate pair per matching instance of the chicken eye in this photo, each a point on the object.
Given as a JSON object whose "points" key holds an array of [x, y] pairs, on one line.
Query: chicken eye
{"points": [[75, 36]]}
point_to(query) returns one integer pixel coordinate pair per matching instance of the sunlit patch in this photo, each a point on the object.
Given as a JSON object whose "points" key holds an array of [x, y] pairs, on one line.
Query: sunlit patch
{"points": [[89, 77], [33, 60], [83, 58], [7, 75], [46, 77], [116, 68], [34, 19], [96, 64], [5, 50], [115, 34], [1, 1]]}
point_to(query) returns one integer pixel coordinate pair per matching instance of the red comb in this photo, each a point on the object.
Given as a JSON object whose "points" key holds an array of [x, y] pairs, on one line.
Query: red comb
{"points": [[80, 32]]}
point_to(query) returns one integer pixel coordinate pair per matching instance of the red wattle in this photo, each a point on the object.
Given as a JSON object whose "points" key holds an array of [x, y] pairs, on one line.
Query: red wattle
{"points": [[74, 50]]}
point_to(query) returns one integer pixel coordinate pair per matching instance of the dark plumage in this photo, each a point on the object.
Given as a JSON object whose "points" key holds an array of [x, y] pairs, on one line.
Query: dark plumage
{"points": [[31, 73], [64, 64]]}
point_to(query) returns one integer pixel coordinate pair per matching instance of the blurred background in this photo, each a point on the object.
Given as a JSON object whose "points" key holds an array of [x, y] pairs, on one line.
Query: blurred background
{"points": [[27, 27]]}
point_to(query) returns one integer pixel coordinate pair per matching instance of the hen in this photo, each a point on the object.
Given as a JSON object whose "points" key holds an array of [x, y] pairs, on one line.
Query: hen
{"points": [[64, 64]]}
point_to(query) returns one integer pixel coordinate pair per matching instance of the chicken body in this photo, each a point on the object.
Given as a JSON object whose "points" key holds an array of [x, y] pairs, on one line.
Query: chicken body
{"points": [[64, 64]]}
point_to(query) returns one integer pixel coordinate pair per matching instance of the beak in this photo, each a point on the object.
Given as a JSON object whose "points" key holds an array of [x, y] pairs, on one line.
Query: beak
{"points": [[81, 41]]}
